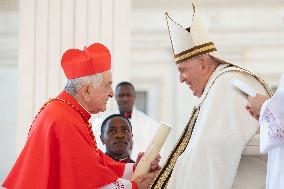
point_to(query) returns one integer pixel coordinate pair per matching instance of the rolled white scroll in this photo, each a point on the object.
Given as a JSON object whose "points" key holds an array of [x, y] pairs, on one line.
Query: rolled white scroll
{"points": [[152, 151]]}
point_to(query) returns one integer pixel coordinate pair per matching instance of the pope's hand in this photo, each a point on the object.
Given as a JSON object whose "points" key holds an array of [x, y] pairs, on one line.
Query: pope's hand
{"points": [[154, 164], [254, 105], [144, 181]]}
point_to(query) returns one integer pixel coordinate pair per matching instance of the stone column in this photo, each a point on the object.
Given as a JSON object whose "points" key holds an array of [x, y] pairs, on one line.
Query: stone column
{"points": [[47, 28]]}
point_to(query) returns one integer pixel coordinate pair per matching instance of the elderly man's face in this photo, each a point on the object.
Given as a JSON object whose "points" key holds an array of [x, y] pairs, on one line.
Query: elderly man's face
{"points": [[192, 73], [117, 136], [101, 94]]}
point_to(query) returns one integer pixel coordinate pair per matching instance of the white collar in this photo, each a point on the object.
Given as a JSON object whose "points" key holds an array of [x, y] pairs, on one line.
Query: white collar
{"points": [[84, 107], [210, 81]]}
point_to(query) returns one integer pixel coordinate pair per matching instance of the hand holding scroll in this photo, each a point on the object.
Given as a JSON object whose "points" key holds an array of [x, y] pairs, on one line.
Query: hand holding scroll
{"points": [[144, 181], [154, 164], [149, 161]]}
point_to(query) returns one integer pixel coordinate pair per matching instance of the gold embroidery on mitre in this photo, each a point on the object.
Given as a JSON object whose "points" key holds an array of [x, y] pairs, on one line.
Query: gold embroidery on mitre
{"points": [[194, 52]]}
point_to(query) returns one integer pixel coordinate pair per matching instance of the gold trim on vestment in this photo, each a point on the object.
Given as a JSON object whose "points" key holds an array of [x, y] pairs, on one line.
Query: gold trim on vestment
{"points": [[164, 174], [234, 68]]}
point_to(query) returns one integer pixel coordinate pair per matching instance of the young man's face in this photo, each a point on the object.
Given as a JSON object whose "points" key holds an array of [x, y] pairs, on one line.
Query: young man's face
{"points": [[125, 97], [192, 74], [100, 95], [117, 136]]}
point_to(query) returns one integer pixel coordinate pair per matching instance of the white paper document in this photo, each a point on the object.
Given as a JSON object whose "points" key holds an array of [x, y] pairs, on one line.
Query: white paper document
{"points": [[243, 87]]}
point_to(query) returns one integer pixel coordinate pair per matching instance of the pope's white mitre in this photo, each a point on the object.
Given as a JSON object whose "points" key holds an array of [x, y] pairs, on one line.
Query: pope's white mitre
{"points": [[188, 43]]}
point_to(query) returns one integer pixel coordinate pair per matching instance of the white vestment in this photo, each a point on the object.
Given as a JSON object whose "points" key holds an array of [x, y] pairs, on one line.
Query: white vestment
{"points": [[221, 131], [271, 121], [144, 128]]}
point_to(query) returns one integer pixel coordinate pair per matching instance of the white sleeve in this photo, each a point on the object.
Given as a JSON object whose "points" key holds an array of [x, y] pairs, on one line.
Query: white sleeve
{"points": [[118, 184], [128, 171], [275, 127], [124, 182], [272, 120]]}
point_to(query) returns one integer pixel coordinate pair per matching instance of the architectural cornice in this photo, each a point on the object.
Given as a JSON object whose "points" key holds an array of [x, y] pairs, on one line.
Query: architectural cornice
{"points": [[150, 4], [9, 5]]}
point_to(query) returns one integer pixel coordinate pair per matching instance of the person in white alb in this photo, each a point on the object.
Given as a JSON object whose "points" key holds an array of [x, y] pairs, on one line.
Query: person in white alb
{"points": [[270, 113], [208, 152], [144, 126]]}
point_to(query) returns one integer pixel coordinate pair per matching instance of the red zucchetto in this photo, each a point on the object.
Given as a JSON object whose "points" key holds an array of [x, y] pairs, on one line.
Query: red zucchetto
{"points": [[92, 60]]}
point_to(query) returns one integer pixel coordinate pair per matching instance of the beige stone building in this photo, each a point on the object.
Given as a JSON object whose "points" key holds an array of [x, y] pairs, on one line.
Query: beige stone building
{"points": [[34, 33]]}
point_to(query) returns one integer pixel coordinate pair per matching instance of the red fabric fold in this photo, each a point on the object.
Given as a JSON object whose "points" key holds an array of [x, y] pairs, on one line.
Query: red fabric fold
{"points": [[59, 153]]}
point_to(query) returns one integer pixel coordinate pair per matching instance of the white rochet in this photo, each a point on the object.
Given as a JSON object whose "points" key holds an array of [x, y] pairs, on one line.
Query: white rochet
{"points": [[152, 151]]}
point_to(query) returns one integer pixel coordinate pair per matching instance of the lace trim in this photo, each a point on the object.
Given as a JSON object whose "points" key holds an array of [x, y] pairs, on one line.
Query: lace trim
{"points": [[275, 132], [118, 184]]}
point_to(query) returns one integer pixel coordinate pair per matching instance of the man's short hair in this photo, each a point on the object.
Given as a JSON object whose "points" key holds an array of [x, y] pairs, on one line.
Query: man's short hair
{"points": [[73, 85], [112, 116], [124, 83]]}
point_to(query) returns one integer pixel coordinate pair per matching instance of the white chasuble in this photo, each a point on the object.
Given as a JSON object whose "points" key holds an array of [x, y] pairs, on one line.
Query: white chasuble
{"points": [[221, 131]]}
